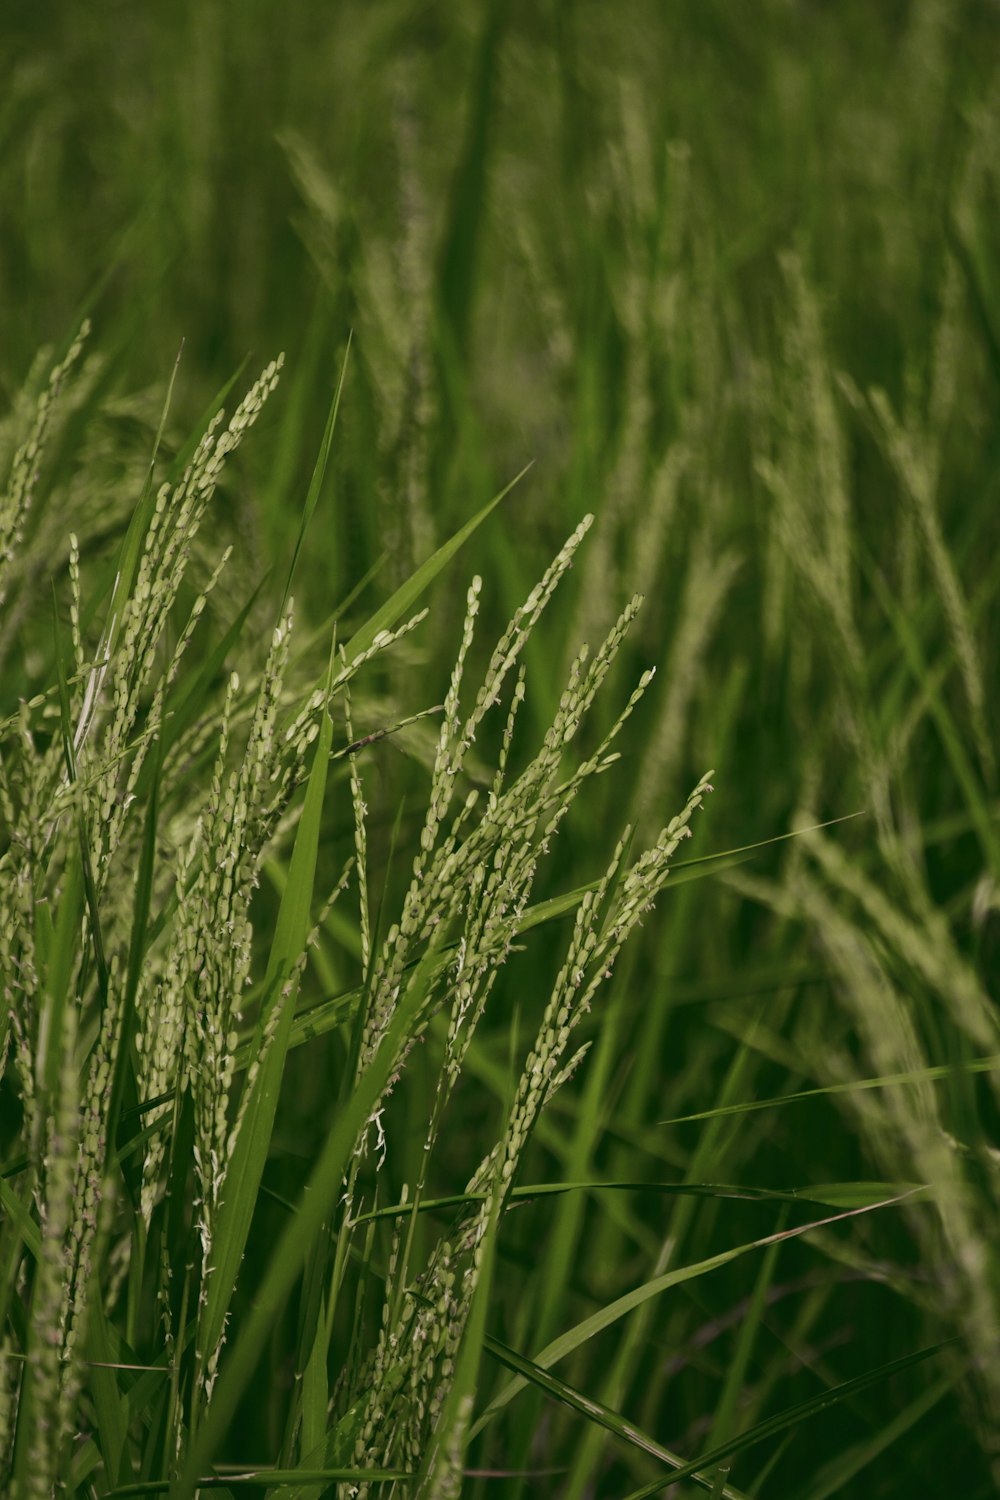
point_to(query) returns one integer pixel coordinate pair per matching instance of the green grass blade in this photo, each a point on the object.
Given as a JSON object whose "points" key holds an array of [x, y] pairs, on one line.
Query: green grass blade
{"points": [[59, 971], [596, 1411], [574, 1337], [725, 1417], [409, 592], [829, 1195], [132, 543], [318, 475], [112, 1408], [124, 1093], [292, 1248], [952, 738], [793, 1415], [246, 1165], [466, 215], [69, 757], [681, 871], [844, 1468], [852, 1086], [259, 1476], [19, 1214]]}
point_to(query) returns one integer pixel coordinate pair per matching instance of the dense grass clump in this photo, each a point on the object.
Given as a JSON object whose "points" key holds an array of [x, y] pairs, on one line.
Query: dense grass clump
{"points": [[147, 1116], [392, 1100]]}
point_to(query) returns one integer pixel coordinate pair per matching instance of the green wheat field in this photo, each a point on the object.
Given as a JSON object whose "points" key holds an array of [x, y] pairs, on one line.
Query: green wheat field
{"points": [[499, 789]]}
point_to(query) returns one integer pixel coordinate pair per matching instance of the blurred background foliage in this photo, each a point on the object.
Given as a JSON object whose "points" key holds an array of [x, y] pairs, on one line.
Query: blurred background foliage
{"points": [[726, 272]]}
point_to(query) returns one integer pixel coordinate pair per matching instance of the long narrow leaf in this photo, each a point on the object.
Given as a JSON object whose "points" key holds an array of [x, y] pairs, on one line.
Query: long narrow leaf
{"points": [[606, 1316], [853, 1086], [409, 592], [595, 1411], [791, 1417], [246, 1165], [318, 475], [291, 1250], [830, 1195]]}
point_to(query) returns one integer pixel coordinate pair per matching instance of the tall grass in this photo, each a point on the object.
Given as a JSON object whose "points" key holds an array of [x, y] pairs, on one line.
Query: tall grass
{"points": [[356, 1117], [148, 1117]]}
